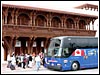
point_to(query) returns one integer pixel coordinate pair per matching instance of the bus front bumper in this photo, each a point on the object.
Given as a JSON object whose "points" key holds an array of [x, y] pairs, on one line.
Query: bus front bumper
{"points": [[55, 67]]}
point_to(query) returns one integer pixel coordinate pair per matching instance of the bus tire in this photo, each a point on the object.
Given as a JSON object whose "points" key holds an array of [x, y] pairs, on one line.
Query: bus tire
{"points": [[75, 65], [61, 70]]}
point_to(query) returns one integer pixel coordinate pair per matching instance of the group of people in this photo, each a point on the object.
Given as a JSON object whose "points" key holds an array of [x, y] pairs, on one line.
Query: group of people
{"points": [[26, 60]]}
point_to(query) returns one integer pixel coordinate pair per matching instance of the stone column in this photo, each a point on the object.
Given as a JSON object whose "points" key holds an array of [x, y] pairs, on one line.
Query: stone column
{"points": [[38, 46], [72, 26], [46, 43], [93, 24], [16, 16], [3, 19], [62, 22], [89, 26], [47, 21], [77, 25], [34, 17], [6, 18], [31, 44], [31, 18], [12, 44], [12, 15], [28, 45], [50, 20], [16, 19], [6, 15]]}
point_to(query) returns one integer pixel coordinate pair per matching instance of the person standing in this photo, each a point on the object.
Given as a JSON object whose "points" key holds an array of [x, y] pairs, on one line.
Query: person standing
{"points": [[13, 60], [22, 57], [37, 60], [33, 58], [30, 61], [9, 60], [24, 61], [41, 54]]}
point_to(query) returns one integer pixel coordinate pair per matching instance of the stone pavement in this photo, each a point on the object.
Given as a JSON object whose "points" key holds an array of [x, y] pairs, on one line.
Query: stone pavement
{"points": [[6, 70]]}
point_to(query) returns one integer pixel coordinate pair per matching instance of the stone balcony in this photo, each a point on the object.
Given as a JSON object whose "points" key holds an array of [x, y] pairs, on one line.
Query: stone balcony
{"points": [[38, 31]]}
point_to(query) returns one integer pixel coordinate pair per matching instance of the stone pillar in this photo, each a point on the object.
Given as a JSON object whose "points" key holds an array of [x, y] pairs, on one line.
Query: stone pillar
{"points": [[77, 25], [72, 26], [50, 20], [31, 44], [47, 21], [28, 46], [16, 19], [31, 18], [23, 46], [6, 15], [46, 43], [3, 19], [12, 44], [93, 24], [38, 46], [34, 17], [12, 15], [62, 22], [6, 18], [16, 16], [89, 26]]}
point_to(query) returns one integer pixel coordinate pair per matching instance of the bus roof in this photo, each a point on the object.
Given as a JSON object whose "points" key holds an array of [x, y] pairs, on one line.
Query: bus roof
{"points": [[62, 37]]}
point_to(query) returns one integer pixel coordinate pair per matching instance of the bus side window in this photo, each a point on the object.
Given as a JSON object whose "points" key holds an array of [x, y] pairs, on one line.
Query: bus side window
{"points": [[65, 52]]}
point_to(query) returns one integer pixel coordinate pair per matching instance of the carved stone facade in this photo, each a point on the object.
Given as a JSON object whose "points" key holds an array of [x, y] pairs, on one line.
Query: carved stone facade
{"points": [[29, 25]]}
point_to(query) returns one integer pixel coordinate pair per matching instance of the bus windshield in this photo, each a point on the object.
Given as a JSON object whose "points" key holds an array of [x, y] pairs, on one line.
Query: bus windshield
{"points": [[54, 48]]}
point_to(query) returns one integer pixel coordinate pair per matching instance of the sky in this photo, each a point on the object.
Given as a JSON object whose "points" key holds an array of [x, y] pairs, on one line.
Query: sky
{"points": [[60, 5], [51, 4]]}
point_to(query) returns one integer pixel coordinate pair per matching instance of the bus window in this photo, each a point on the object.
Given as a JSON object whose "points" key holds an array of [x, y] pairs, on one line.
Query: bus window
{"points": [[66, 52], [56, 51], [53, 49]]}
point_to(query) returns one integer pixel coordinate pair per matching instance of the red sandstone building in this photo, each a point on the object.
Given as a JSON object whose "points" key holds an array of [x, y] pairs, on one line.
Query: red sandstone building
{"points": [[29, 29], [88, 6]]}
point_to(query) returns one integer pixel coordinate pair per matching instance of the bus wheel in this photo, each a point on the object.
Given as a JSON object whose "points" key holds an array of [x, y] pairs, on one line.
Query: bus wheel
{"points": [[75, 66]]}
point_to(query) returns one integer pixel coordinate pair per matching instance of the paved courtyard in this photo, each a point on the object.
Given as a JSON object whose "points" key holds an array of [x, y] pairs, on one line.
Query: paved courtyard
{"points": [[5, 70], [43, 70]]}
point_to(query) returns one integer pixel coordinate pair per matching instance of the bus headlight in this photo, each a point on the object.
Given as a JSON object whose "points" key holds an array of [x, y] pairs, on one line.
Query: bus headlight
{"points": [[48, 63], [65, 61]]}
